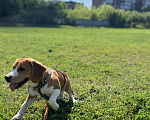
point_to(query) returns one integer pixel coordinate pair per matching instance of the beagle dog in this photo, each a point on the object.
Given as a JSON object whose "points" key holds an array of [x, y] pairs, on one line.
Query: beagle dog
{"points": [[28, 70]]}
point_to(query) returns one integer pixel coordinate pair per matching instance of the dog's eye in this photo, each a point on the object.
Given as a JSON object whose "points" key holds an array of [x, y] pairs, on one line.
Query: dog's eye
{"points": [[22, 69]]}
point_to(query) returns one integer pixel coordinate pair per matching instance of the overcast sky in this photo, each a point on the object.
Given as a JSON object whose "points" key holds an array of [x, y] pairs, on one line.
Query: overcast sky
{"points": [[87, 3]]}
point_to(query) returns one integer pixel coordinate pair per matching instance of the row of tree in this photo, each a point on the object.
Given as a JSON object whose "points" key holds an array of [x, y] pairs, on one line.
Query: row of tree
{"points": [[31, 11], [116, 17], [12, 7], [43, 12]]}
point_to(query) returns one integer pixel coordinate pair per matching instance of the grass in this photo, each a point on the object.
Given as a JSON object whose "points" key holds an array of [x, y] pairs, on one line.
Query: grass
{"points": [[108, 68]]}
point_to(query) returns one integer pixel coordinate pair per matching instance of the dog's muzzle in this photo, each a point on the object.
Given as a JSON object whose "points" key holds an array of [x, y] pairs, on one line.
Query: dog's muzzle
{"points": [[8, 78]]}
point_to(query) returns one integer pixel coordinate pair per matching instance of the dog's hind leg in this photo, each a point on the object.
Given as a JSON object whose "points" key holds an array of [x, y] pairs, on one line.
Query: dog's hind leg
{"points": [[69, 90]]}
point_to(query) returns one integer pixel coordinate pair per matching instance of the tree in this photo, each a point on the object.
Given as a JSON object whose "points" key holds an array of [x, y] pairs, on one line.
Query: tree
{"points": [[54, 1], [10, 7], [42, 5], [71, 17], [56, 10], [135, 18], [147, 18], [105, 11], [60, 11], [94, 15], [30, 5], [61, 5], [82, 12]]}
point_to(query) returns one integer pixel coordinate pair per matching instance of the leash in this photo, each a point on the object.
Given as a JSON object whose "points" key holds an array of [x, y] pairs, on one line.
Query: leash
{"points": [[46, 111]]}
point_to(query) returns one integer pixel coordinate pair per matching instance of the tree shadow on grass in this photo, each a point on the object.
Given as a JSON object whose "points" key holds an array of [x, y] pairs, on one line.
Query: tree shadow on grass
{"points": [[62, 113]]}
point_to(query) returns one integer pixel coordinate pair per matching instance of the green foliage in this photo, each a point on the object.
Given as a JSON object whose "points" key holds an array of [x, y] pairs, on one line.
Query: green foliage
{"points": [[81, 12], [117, 18], [61, 5], [42, 4], [94, 15], [37, 17], [108, 68], [106, 11], [10, 7], [44, 14], [71, 17], [135, 18], [30, 5], [50, 12], [147, 19]]}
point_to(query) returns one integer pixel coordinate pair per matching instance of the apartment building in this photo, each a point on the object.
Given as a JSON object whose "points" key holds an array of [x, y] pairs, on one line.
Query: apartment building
{"points": [[72, 4], [122, 4], [96, 3], [146, 3]]}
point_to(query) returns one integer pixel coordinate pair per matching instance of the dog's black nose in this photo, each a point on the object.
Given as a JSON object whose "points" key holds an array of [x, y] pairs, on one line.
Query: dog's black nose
{"points": [[7, 78]]}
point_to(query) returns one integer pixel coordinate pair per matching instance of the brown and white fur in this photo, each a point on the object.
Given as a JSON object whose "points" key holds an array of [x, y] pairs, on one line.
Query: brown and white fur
{"points": [[27, 70]]}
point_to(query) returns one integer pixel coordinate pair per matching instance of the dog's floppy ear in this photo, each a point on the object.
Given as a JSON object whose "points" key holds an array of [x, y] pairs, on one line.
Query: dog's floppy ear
{"points": [[15, 65], [16, 62], [38, 71]]}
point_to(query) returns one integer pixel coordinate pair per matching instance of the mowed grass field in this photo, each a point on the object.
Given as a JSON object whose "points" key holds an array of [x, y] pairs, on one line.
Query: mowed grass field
{"points": [[109, 71]]}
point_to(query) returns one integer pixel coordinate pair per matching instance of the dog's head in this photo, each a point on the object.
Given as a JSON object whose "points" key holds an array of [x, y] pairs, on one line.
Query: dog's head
{"points": [[25, 69]]}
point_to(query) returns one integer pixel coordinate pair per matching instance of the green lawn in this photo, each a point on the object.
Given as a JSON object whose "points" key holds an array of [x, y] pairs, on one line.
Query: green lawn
{"points": [[108, 68]]}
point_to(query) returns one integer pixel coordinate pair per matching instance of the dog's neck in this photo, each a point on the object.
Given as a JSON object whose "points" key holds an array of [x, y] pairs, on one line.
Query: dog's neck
{"points": [[45, 80], [30, 83]]}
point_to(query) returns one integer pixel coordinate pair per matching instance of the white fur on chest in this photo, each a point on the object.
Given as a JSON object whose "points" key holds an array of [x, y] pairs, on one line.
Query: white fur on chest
{"points": [[44, 90]]}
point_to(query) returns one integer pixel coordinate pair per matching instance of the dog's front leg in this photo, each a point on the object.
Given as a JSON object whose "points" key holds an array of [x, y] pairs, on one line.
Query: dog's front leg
{"points": [[53, 98], [23, 108]]}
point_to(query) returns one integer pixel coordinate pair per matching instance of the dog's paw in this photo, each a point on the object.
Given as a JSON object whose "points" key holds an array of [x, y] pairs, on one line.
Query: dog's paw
{"points": [[54, 105], [17, 117], [75, 101], [72, 99]]}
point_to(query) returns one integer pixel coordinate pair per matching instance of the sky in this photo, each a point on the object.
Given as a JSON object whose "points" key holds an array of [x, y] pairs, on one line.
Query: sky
{"points": [[87, 3]]}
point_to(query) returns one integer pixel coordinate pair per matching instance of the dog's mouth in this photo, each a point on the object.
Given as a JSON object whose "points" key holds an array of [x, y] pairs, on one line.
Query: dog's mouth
{"points": [[14, 86]]}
